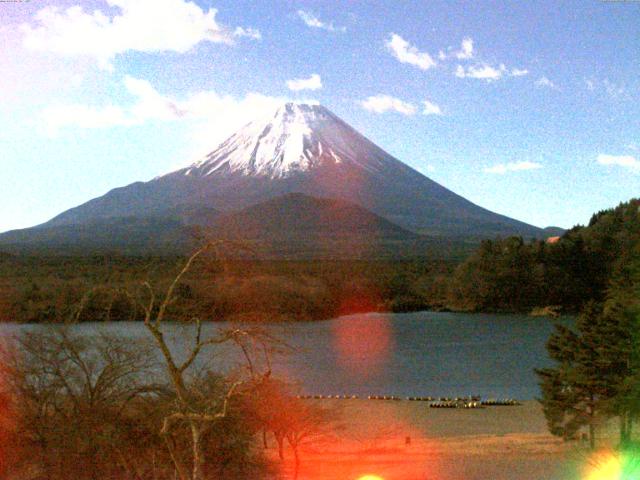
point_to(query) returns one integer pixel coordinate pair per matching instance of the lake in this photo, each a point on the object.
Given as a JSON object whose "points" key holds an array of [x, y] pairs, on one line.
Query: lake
{"points": [[412, 354]]}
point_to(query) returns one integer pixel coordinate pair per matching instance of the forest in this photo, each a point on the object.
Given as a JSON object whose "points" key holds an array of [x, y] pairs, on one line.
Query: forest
{"points": [[595, 377], [514, 276], [50, 289], [501, 275]]}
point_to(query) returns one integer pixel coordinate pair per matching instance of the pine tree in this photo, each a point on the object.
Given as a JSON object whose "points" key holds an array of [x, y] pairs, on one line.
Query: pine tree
{"points": [[579, 390], [622, 308], [597, 372]]}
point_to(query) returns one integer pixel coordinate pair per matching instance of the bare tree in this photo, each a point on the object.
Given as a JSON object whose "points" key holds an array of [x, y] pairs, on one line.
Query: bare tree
{"points": [[192, 408], [292, 420], [307, 423], [71, 399]]}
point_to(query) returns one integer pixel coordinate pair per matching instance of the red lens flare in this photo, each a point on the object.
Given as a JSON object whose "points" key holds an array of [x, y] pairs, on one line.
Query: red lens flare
{"points": [[363, 343]]}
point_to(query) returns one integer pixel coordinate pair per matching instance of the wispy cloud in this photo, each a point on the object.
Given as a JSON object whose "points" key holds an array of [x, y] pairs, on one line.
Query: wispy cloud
{"points": [[517, 72], [612, 89], [314, 82], [471, 67], [479, 69], [465, 52], [628, 162], [503, 168], [387, 103], [210, 111], [143, 25], [544, 82], [466, 49], [431, 108], [407, 53], [313, 21], [247, 32], [481, 72]]}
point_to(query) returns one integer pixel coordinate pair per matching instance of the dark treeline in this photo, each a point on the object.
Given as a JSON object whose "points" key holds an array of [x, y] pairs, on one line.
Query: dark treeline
{"points": [[502, 275], [52, 289], [512, 275], [596, 371]]}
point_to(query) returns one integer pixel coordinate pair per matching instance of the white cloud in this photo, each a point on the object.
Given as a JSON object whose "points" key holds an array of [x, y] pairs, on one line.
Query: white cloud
{"points": [[407, 53], [481, 72], [503, 168], [545, 82], [312, 21], [517, 72], [632, 146], [247, 32], [386, 103], [140, 25], [431, 108], [590, 84], [214, 116], [629, 162], [312, 83], [466, 49]]}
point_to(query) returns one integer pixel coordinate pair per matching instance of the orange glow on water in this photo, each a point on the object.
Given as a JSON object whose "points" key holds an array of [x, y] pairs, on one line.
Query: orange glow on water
{"points": [[363, 343], [370, 477]]}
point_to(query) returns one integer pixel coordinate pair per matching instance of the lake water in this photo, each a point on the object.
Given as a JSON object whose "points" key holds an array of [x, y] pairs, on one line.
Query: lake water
{"points": [[414, 354]]}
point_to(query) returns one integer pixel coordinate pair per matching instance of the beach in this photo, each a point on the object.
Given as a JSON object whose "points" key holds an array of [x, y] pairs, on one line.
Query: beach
{"points": [[407, 440]]}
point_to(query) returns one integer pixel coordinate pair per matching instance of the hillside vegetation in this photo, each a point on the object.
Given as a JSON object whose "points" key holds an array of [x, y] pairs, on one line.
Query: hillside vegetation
{"points": [[501, 275], [511, 275], [51, 289]]}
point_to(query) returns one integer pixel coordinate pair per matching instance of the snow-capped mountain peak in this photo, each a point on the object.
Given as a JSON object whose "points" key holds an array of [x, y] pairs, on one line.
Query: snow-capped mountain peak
{"points": [[297, 138], [302, 149]]}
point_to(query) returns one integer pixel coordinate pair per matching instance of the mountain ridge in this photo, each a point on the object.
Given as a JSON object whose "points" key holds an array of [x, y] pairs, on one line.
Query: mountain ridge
{"points": [[305, 228], [309, 150]]}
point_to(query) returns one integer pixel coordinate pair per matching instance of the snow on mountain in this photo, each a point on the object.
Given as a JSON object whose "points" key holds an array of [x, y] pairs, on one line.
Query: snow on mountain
{"points": [[306, 149], [297, 138]]}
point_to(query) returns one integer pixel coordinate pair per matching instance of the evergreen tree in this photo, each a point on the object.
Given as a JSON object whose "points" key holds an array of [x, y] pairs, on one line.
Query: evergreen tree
{"points": [[622, 309], [579, 390], [597, 372]]}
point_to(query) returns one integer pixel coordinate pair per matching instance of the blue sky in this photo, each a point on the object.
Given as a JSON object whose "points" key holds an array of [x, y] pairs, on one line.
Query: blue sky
{"points": [[530, 109]]}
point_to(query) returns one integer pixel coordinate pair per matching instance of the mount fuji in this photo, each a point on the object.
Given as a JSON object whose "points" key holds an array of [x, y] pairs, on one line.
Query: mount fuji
{"points": [[298, 149]]}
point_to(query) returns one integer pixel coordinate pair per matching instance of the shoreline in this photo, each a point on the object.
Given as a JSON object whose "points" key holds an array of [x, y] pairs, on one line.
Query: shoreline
{"points": [[286, 321], [497, 443]]}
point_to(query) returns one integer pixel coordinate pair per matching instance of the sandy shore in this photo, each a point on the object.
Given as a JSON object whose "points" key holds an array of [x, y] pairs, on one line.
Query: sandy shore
{"points": [[493, 443]]}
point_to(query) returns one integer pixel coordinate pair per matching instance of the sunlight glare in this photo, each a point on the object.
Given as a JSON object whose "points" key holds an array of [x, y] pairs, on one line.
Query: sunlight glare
{"points": [[607, 469]]}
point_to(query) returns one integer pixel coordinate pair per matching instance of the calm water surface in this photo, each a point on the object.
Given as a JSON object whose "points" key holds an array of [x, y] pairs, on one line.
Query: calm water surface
{"points": [[415, 354]]}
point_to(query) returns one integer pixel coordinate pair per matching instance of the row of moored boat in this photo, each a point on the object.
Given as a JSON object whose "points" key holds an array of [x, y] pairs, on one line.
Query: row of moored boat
{"points": [[473, 401]]}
